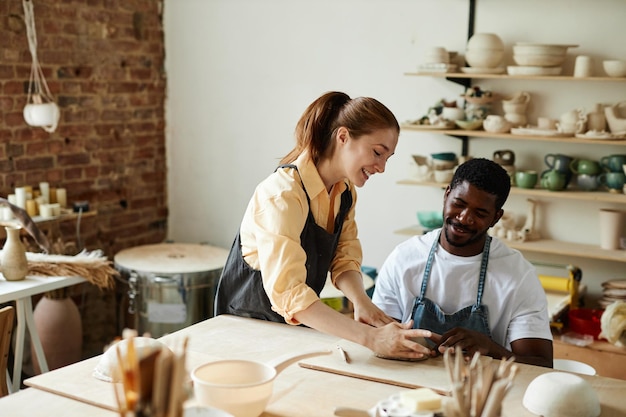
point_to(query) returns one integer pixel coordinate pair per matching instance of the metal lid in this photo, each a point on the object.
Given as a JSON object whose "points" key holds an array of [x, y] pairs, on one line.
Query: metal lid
{"points": [[172, 258]]}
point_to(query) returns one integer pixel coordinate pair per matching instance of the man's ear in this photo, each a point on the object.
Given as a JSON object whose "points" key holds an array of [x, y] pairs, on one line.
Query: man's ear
{"points": [[498, 217]]}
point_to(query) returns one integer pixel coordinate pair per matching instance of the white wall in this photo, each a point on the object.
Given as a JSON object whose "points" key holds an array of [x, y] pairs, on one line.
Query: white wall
{"points": [[240, 73]]}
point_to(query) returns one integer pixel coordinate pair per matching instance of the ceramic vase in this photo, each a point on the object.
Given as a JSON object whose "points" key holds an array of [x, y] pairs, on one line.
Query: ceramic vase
{"points": [[59, 326], [14, 262]]}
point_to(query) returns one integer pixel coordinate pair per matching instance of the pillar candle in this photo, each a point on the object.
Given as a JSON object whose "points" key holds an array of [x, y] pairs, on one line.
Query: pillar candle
{"points": [[20, 197], [44, 187], [53, 195], [62, 197], [31, 208]]}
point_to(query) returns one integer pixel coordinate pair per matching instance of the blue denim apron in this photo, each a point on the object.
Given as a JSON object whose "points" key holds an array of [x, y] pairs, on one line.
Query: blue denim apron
{"points": [[427, 315]]}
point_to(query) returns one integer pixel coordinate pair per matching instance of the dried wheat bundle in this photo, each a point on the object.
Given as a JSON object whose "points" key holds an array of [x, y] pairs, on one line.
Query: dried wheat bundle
{"points": [[92, 266]]}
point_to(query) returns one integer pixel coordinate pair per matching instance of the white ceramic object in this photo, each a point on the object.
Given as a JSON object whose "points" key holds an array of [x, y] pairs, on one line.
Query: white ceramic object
{"points": [[453, 113], [240, 387], [616, 117], [614, 67], [436, 55], [533, 70], [496, 124], [44, 115], [558, 394], [443, 176], [530, 48], [569, 365], [485, 41], [484, 58], [539, 60], [583, 66]]}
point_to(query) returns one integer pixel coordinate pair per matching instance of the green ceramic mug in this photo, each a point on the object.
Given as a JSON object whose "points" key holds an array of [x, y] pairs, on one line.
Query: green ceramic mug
{"points": [[614, 181], [585, 166], [553, 180], [526, 179]]}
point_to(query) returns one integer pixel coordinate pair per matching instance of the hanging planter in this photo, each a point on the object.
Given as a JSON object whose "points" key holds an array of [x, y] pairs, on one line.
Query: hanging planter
{"points": [[40, 110]]}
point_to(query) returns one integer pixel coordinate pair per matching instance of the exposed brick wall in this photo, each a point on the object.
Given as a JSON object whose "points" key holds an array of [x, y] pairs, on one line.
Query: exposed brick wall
{"points": [[103, 62]]}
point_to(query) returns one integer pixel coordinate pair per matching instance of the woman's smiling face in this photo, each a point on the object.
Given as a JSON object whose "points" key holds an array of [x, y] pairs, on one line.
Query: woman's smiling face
{"points": [[367, 155]]}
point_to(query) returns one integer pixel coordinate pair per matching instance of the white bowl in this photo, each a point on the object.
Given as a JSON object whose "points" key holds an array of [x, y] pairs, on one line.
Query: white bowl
{"points": [[569, 365], [541, 60], [532, 70], [614, 67], [556, 394], [529, 48], [485, 41], [484, 58]]}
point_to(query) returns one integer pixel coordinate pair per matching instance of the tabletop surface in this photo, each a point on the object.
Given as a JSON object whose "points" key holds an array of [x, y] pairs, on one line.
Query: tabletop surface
{"points": [[32, 285], [325, 378]]}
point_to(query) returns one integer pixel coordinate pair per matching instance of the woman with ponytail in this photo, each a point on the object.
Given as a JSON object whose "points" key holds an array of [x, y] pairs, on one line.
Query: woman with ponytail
{"points": [[299, 225]]}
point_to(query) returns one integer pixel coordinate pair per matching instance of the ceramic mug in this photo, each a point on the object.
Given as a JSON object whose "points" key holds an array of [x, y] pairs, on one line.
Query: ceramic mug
{"points": [[587, 182], [546, 123], [504, 157], [583, 66], [526, 179], [453, 113], [553, 180], [613, 163], [614, 181], [585, 166]]}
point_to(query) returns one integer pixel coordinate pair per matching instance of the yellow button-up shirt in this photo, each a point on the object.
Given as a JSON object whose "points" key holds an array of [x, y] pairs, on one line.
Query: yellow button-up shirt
{"points": [[271, 228]]}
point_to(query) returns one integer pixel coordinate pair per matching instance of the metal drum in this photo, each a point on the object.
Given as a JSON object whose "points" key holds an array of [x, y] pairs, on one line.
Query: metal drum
{"points": [[170, 285]]}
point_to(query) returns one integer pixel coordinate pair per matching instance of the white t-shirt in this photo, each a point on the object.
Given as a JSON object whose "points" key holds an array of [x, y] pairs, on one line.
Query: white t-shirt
{"points": [[517, 303]]}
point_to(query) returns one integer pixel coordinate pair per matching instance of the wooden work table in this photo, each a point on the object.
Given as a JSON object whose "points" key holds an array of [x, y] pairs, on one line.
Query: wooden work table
{"points": [[315, 387], [607, 359]]}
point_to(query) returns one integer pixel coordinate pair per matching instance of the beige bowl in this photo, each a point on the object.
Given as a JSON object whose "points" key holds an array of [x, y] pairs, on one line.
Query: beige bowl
{"points": [[614, 67], [556, 394], [539, 60], [526, 48]]}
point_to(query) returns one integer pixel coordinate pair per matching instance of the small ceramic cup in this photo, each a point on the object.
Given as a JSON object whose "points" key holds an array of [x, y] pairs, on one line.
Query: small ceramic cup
{"points": [[526, 179], [546, 123], [583, 66], [614, 181], [585, 166], [587, 182], [553, 180]]}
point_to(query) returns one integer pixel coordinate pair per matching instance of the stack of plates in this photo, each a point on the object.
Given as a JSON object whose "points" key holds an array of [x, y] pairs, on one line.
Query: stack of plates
{"points": [[612, 291]]}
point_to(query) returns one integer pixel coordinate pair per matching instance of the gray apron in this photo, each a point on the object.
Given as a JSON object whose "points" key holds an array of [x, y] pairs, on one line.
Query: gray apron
{"points": [[240, 289], [427, 315]]}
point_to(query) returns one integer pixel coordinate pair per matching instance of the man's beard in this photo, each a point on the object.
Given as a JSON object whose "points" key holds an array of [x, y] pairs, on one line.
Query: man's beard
{"points": [[468, 242]]}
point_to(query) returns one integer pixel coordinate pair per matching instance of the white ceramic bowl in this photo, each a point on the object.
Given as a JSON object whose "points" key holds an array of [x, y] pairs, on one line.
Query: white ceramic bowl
{"points": [[484, 58], [557, 394], [485, 41], [569, 365], [541, 60], [533, 70], [614, 67], [527, 48]]}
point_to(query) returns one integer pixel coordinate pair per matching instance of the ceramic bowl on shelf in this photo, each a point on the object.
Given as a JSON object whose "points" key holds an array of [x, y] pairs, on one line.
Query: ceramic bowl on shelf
{"points": [[530, 48], [533, 70], [539, 60], [430, 219], [469, 124], [614, 67]]}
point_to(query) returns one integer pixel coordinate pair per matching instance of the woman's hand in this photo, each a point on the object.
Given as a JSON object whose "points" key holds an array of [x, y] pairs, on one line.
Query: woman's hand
{"points": [[365, 311], [396, 340]]}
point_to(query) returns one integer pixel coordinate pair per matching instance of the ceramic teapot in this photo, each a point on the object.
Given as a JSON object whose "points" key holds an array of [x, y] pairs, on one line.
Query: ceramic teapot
{"points": [[496, 124]]}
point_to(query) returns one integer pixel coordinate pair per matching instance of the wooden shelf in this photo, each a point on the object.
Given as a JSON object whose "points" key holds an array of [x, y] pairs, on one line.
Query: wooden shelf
{"points": [[601, 196], [489, 135], [512, 77], [549, 246]]}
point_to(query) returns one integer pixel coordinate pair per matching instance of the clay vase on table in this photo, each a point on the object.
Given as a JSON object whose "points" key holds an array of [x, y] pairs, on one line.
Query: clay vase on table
{"points": [[14, 262]]}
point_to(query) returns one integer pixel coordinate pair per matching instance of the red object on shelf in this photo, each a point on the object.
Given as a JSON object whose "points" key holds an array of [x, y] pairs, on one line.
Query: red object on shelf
{"points": [[585, 321]]}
